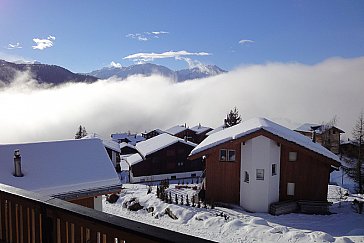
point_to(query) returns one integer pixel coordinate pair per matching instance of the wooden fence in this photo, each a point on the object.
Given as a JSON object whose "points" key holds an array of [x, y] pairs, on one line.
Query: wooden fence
{"points": [[27, 217]]}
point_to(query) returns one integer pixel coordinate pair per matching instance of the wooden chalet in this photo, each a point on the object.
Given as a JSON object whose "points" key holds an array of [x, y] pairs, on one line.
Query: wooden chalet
{"points": [[327, 136], [258, 162], [77, 171], [127, 137], [163, 157], [195, 134], [152, 133]]}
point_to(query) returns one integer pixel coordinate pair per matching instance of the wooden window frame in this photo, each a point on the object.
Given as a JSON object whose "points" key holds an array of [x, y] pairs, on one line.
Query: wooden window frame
{"points": [[226, 158]]}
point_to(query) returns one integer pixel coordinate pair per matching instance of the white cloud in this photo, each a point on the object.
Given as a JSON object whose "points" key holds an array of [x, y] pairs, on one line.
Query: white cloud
{"points": [[242, 42], [115, 64], [288, 93], [146, 35], [41, 44], [159, 32], [147, 57], [137, 36], [14, 46]]}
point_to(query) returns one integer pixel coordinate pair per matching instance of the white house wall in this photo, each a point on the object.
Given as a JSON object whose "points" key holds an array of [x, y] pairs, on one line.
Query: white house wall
{"points": [[259, 153], [98, 203]]}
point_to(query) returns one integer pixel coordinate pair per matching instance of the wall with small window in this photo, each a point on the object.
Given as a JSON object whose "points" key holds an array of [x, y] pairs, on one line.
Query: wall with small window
{"points": [[259, 186], [227, 155]]}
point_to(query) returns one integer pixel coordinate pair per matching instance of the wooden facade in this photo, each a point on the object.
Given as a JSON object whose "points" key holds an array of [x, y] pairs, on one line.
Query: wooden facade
{"points": [[309, 173], [172, 159], [86, 202], [329, 138]]}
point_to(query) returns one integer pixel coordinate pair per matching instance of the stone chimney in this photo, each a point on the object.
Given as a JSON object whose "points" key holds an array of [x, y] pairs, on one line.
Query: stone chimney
{"points": [[17, 164]]}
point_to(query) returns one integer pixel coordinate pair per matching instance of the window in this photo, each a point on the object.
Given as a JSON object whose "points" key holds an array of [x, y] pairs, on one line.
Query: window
{"points": [[292, 156], [274, 169], [193, 175], [231, 155], [223, 153], [246, 177], [227, 155], [260, 174], [290, 189], [173, 177], [180, 163]]}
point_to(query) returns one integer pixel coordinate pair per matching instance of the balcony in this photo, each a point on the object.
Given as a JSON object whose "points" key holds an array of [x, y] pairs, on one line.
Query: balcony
{"points": [[27, 217]]}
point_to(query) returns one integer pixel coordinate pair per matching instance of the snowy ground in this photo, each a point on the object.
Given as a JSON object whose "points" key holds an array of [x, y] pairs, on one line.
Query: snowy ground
{"points": [[344, 225]]}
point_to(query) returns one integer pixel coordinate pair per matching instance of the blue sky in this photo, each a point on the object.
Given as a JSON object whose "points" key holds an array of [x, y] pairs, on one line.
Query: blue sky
{"points": [[87, 35]]}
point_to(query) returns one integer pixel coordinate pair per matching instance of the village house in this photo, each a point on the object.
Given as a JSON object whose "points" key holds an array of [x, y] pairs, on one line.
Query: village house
{"points": [[78, 171], [163, 157], [127, 137], [258, 162], [152, 133], [327, 136], [195, 134]]}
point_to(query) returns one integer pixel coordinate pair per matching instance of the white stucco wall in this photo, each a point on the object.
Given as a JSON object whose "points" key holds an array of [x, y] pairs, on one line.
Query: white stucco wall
{"points": [[98, 203], [259, 153]]}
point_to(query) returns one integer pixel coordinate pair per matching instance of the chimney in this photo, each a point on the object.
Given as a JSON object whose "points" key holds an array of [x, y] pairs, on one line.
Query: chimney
{"points": [[17, 164], [314, 128], [314, 136]]}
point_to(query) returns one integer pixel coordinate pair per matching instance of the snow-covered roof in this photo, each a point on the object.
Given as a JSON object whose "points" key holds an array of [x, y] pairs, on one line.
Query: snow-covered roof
{"points": [[307, 127], [159, 142], [134, 159], [153, 145], [124, 144], [133, 138], [200, 129], [255, 124], [59, 167], [218, 129], [176, 129], [107, 143]]}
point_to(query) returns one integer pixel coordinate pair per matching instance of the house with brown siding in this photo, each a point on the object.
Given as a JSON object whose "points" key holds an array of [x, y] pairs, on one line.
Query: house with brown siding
{"points": [[194, 134], [327, 136], [163, 157], [77, 171], [258, 162]]}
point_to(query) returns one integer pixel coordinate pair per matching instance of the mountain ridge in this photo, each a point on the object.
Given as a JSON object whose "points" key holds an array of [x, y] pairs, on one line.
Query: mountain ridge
{"points": [[148, 69]]}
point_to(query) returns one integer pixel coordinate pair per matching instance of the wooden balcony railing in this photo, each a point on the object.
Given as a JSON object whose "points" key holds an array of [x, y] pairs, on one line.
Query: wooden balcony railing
{"points": [[27, 217]]}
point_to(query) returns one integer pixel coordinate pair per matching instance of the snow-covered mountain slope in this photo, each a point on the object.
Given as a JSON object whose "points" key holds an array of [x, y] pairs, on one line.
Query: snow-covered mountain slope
{"points": [[149, 69]]}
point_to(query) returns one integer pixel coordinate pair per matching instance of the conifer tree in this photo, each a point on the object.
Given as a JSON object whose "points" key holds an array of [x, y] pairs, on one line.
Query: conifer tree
{"points": [[81, 132], [232, 118], [354, 168]]}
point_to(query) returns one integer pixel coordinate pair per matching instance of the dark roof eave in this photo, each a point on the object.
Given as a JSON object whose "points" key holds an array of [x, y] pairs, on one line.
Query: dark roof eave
{"points": [[88, 193]]}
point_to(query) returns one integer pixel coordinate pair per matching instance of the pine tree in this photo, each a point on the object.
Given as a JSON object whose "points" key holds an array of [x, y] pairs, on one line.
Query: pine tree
{"points": [[354, 168], [232, 118], [81, 132]]}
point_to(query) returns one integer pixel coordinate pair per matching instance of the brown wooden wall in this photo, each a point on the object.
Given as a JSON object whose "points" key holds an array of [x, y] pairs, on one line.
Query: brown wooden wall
{"points": [[166, 161], [86, 202], [310, 173], [223, 178]]}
